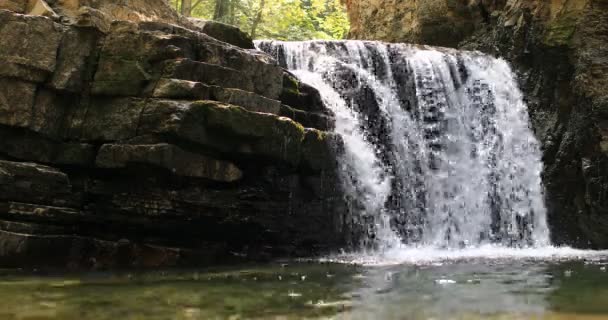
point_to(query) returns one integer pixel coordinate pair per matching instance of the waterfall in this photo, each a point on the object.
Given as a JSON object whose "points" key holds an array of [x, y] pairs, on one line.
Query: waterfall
{"points": [[437, 146]]}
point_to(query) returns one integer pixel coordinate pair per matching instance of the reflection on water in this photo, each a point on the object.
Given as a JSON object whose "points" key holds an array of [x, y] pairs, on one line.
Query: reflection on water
{"points": [[484, 289], [473, 288]]}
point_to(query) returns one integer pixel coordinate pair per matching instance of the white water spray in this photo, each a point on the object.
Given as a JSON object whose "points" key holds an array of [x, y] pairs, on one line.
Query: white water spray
{"points": [[438, 149]]}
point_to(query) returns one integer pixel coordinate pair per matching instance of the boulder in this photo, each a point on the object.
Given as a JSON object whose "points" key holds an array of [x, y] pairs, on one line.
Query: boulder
{"points": [[224, 32]]}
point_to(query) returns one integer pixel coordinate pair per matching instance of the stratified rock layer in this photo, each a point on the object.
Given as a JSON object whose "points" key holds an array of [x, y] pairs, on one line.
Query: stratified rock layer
{"points": [[142, 144], [558, 49], [431, 22]]}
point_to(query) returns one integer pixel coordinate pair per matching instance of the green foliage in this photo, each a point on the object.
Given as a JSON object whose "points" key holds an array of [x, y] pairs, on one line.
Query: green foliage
{"points": [[280, 19]]}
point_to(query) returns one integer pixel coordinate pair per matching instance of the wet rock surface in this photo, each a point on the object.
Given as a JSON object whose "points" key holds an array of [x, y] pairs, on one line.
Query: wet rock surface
{"points": [[224, 32], [143, 144], [558, 49]]}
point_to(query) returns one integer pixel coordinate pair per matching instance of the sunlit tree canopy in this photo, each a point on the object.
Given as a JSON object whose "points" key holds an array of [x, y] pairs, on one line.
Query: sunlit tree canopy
{"points": [[274, 19]]}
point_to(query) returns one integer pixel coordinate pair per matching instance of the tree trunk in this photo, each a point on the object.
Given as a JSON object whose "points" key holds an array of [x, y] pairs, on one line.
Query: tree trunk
{"points": [[257, 19], [186, 7], [221, 10], [232, 14]]}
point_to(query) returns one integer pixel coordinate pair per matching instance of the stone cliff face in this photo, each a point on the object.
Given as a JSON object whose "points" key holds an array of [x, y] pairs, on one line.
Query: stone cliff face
{"points": [[431, 22], [131, 10], [144, 144], [559, 50]]}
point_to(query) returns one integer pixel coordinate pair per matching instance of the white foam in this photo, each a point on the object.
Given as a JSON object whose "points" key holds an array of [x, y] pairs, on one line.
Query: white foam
{"points": [[439, 154], [489, 253]]}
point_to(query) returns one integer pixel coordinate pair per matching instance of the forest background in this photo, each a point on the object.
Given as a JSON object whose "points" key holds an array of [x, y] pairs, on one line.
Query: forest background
{"points": [[274, 19]]}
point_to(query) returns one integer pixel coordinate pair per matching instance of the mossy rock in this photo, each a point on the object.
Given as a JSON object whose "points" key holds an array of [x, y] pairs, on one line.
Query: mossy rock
{"points": [[291, 84], [120, 77], [181, 89], [300, 95], [308, 119], [271, 136], [561, 31], [224, 128], [318, 151], [224, 32]]}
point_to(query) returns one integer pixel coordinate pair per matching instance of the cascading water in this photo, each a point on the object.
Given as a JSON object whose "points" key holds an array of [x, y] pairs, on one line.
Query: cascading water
{"points": [[438, 149]]}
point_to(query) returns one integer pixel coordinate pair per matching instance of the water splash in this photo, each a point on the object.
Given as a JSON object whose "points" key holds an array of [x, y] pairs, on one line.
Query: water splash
{"points": [[438, 149], [488, 253]]}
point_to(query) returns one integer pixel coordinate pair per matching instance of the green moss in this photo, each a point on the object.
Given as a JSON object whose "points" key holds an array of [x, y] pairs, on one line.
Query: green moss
{"points": [[317, 135], [561, 30], [287, 111], [283, 141], [316, 151], [604, 146], [233, 120], [291, 84], [117, 76]]}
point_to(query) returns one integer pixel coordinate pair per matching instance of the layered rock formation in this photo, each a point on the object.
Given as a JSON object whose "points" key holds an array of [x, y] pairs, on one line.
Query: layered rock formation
{"points": [[431, 22], [131, 10], [143, 144], [558, 48]]}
